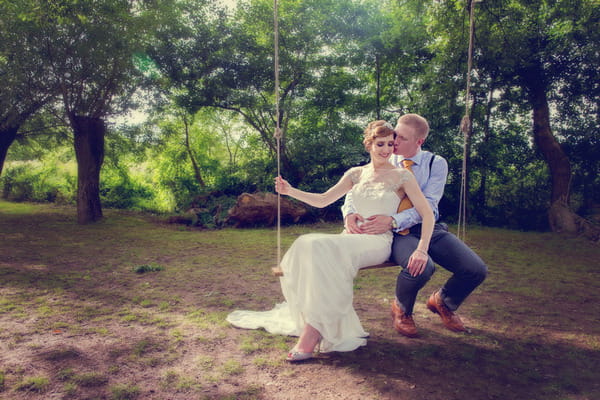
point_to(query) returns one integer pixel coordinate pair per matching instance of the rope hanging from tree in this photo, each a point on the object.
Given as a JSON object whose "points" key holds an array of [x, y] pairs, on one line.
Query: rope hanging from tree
{"points": [[277, 269], [465, 127]]}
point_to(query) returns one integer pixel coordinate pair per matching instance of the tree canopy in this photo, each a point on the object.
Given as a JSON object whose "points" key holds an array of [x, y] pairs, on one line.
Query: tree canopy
{"points": [[205, 75]]}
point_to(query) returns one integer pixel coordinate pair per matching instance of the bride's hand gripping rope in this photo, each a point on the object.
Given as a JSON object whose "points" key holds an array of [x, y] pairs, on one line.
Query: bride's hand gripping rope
{"points": [[282, 186]]}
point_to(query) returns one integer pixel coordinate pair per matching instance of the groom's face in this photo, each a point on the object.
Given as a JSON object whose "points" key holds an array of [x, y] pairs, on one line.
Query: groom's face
{"points": [[406, 144]]}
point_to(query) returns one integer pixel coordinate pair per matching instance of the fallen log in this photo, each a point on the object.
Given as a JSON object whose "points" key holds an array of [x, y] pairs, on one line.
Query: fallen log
{"points": [[261, 209]]}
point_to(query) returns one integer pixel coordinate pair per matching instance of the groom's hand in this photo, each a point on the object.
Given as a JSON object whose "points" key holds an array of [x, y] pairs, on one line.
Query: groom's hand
{"points": [[377, 224], [351, 221]]}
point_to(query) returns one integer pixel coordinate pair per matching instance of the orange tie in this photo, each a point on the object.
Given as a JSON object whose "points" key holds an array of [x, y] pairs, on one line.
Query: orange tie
{"points": [[405, 204]]}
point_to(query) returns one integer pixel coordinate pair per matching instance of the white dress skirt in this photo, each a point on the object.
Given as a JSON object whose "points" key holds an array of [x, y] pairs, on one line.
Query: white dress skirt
{"points": [[319, 270]]}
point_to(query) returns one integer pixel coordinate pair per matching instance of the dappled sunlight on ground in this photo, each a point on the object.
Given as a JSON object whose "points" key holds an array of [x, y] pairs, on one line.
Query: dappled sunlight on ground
{"points": [[79, 322]]}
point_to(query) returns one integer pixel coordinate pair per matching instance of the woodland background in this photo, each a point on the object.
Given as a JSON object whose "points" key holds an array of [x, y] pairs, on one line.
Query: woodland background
{"points": [[163, 106]]}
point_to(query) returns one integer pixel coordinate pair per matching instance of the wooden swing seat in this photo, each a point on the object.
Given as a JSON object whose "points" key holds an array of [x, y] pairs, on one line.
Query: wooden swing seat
{"points": [[276, 271], [382, 265]]}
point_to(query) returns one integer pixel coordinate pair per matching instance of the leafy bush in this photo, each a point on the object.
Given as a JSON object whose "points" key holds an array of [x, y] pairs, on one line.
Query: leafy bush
{"points": [[14, 186], [33, 181], [118, 190], [234, 184], [211, 209]]}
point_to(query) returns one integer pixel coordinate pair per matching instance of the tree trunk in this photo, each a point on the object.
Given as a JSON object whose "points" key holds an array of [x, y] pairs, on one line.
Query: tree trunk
{"points": [[7, 137], [89, 150], [557, 160], [560, 215], [190, 152]]}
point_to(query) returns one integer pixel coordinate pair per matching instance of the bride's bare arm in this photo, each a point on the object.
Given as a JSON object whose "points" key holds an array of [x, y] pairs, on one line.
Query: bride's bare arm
{"points": [[418, 260], [319, 200]]}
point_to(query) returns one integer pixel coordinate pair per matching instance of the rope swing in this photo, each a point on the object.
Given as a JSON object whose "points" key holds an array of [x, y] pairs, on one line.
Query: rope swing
{"points": [[277, 271], [465, 127]]}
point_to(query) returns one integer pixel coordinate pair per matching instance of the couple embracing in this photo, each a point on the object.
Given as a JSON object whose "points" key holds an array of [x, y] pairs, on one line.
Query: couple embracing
{"points": [[390, 212]]}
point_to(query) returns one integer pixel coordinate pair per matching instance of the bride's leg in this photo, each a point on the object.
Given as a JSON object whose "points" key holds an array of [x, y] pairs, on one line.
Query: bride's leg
{"points": [[308, 340]]}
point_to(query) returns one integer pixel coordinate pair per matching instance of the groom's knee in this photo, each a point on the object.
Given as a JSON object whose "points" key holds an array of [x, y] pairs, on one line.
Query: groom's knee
{"points": [[423, 277], [479, 273]]}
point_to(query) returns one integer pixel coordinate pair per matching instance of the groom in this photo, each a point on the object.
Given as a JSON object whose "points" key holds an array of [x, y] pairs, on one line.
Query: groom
{"points": [[467, 268]]}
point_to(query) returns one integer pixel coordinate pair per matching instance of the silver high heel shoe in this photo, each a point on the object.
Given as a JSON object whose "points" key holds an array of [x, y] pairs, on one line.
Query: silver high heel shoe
{"points": [[295, 355]]}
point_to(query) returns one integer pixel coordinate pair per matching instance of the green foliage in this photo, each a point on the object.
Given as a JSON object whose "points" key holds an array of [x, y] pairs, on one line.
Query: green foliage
{"points": [[549, 38], [120, 190], [32, 181], [209, 77], [26, 83], [211, 209], [509, 202]]}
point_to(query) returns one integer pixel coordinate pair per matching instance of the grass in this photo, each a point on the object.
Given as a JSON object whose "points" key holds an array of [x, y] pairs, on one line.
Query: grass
{"points": [[124, 392], [36, 384], [82, 320]]}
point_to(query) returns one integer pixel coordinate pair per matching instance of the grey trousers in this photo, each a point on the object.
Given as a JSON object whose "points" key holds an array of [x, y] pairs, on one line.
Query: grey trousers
{"points": [[467, 268]]}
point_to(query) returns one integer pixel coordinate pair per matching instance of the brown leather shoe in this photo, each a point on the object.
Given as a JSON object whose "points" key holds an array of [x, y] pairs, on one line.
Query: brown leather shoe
{"points": [[449, 319], [403, 324]]}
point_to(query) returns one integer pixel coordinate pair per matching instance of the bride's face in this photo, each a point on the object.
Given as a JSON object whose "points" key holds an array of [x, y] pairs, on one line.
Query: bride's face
{"points": [[382, 148]]}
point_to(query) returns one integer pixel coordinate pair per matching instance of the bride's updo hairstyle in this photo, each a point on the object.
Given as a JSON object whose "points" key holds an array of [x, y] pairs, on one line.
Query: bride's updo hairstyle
{"points": [[377, 129]]}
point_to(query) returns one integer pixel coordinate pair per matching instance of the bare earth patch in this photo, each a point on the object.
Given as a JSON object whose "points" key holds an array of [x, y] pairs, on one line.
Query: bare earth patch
{"points": [[77, 321]]}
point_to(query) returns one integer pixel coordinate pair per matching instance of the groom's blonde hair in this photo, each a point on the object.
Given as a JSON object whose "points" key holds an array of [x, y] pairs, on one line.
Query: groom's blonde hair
{"points": [[418, 123]]}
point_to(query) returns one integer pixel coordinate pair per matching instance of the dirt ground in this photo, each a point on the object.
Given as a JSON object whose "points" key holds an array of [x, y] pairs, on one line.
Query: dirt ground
{"points": [[93, 329]]}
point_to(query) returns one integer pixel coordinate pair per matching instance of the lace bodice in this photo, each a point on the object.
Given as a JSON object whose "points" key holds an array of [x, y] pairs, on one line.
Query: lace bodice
{"points": [[376, 192]]}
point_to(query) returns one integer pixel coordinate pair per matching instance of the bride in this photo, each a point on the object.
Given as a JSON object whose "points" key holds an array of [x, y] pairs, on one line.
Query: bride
{"points": [[319, 269]]}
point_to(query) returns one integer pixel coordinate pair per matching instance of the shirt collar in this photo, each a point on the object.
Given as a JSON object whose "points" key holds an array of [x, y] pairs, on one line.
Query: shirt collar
{"points": [[417, 158]]}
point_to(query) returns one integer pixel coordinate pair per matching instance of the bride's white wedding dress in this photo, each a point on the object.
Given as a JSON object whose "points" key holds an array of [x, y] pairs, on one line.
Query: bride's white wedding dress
{"points": [[319, 269]]}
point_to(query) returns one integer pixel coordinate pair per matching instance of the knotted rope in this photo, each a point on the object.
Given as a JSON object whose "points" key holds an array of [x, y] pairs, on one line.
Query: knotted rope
{"points": [[465, 127], [277, 269]]}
